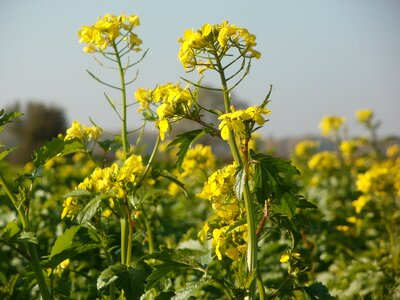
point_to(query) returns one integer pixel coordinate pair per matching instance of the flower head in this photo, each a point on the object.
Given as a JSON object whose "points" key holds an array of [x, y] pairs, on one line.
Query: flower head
{"points": [[331, 125], [214, 40], [109, 31]]}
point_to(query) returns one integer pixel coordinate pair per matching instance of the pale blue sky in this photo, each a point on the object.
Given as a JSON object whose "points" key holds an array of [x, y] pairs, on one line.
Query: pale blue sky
{"points": [[322, 57]]}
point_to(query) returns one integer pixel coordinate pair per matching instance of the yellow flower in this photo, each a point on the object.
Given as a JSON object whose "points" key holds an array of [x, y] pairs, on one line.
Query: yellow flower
{"points": [[331, 124], [348, 147], [364, 116], [380, 179], [284, 258], [324, 161], [236, 120], [76, 131], [109, 31], [71, 207], [305, 147], [196, 45], [360, 203], [232, 253], [393, 151]]}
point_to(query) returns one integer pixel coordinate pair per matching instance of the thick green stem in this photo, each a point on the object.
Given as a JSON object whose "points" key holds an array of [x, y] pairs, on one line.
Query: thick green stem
{"points": [[35, 262], [124, 130]]}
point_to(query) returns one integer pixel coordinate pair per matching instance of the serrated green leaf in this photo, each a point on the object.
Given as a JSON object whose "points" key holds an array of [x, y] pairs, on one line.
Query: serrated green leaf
{"points": [[65, 240], [56, 147], [184, 141], [270, 181], [89, 210]]}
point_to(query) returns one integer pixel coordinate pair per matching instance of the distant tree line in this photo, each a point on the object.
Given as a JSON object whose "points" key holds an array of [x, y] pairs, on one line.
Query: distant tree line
{"points": [[39, 124]]}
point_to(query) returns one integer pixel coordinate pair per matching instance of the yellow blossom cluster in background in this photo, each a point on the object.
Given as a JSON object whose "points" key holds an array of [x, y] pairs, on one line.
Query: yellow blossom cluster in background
{"points": [[331, 124]]}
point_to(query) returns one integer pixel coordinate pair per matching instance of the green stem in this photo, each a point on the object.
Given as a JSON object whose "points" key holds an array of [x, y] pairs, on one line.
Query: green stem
{"points": [[130, 241], [123, 240], [124, 130], [35, 262], [260, 286], [149, 232], [249, 207]]}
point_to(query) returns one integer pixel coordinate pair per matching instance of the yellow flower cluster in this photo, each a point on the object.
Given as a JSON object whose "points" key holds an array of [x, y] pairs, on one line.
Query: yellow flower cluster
{"points": [[393, 151], [331, 124], [324, 161], [105, 32], [382, 179], [228, 239], [349, 147], [198, 162], [116, 179], [305, 148], [79, 131], [215, 40], [175, 103], [236, 120], [364, 116]]}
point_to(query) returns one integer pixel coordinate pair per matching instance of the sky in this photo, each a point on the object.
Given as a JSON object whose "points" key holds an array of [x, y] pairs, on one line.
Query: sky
{"points": [[322, 57]]}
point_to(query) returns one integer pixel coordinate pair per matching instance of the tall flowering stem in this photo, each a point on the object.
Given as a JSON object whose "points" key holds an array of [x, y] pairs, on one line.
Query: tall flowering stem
{"points": [[208, 49], [115, 34]]}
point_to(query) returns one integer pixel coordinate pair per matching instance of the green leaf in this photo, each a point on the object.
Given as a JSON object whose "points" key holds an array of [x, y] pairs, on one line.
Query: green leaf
{"points": [[65, 240], [184, 141], [4, 153], [240, 181], [74, 250], [172, 260], [77, 193], [161, 271], [56, 147], [131, 280], [11, 230], [173, 179], [7, 118], [28, 236], [190, 289], [271, 182], [318, 291], [89, 210]]}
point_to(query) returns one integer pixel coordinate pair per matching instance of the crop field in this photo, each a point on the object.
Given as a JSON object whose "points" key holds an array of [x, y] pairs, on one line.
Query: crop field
{"points": [[100, 216]]}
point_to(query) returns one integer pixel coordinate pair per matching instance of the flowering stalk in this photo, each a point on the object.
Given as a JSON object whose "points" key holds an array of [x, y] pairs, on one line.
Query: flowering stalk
{"points": [[44, 291], [242, 162], [124, 131]]}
